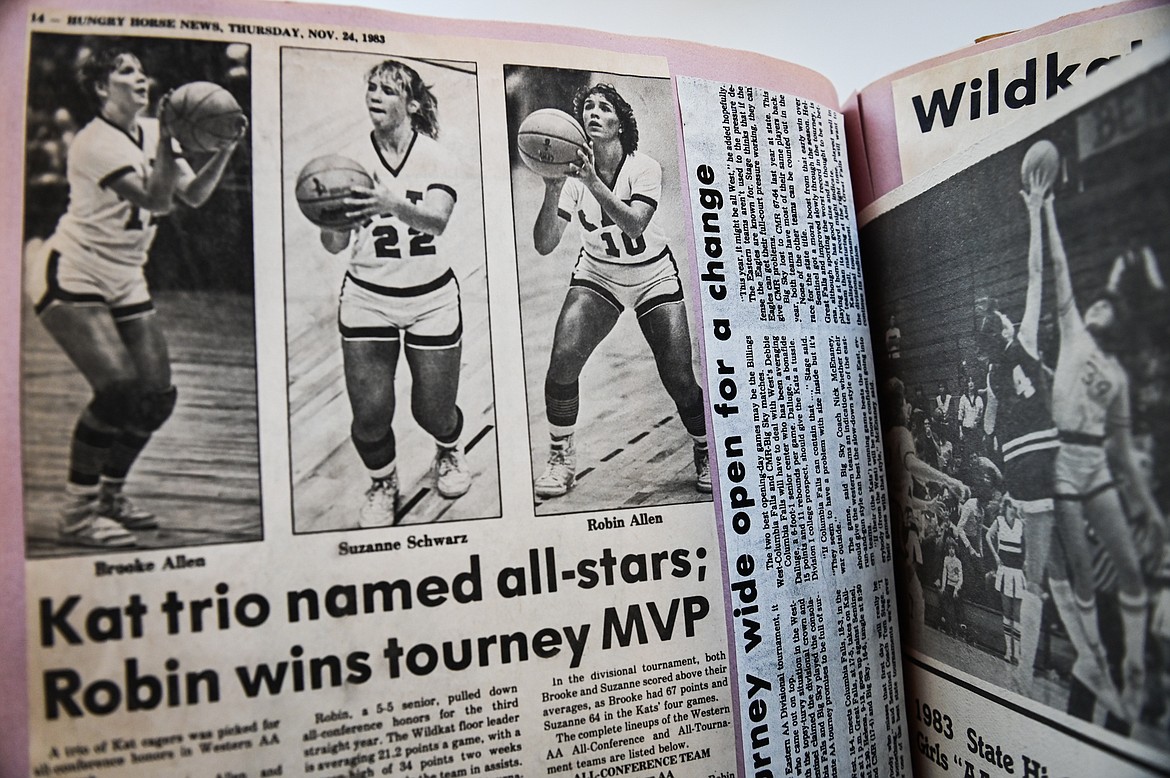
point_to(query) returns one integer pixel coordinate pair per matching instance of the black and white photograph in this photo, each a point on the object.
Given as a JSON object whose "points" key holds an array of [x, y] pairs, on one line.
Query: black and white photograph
{"points": [[138, 337], [616, 416], [391, 398], [1026, 398]]}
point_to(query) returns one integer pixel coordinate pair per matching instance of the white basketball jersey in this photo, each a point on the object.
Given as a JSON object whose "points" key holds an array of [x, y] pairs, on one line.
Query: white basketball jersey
{"points": [[98, 221], [639, 178], [1090, 390], [386, 251]]}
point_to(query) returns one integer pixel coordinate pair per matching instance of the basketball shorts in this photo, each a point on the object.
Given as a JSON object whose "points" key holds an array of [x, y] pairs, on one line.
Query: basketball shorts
{"points": [[1082, 471], [424, 316], [643, 286], [1030, 479], [52, 278]]}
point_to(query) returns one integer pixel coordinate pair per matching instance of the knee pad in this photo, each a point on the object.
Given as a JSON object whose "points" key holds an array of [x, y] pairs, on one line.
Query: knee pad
{"points": [[376, 454], [694, 418], [452, 437], [116, 404], [154, 408]]}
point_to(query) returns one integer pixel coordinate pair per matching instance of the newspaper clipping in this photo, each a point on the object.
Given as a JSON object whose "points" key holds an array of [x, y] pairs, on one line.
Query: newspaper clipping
{"points": [[378, 419], [795, 427], [1024, 387]]}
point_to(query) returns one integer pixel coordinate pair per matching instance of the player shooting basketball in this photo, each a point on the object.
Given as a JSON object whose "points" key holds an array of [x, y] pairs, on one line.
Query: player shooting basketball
{"points": [[92, 297], [400, 289], [613, 192]]}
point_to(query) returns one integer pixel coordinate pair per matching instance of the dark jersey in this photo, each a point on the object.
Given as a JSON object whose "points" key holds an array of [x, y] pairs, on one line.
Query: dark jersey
{"points": [[1023, 392]]}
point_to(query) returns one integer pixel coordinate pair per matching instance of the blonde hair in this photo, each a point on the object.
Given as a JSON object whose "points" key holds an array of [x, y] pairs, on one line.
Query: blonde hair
{"points": [[407, 79]]}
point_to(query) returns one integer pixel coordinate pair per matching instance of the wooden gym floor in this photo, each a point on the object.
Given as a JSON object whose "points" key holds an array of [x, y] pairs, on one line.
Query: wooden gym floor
{"points": [[200, 472]]}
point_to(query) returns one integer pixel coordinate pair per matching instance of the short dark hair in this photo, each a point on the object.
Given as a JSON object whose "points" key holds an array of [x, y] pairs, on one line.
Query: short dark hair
{"points": [[97, 67], [627, 123]]}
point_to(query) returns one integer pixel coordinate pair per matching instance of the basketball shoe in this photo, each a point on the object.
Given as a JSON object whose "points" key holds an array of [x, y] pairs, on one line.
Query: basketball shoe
{"points": [[80, 525], [381, 508], [117, 506], [560, 473], [452, 475], [702, 469]]}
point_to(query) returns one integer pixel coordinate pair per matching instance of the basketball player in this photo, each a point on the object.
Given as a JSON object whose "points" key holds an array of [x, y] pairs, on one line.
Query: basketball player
{"points": [[612, 193], [91, 294], [1020, 390], [400, 290], [1091, 409]]}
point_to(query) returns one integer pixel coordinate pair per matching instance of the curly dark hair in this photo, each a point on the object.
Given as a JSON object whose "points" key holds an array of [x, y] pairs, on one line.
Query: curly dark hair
{"points": [[627, 124], [95, 69], [407, 79]]}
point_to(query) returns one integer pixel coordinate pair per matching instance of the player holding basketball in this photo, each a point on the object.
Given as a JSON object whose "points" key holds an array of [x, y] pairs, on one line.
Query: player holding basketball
{"points": [[1091, 408], [400, 289], [91, 294], [613, 192]]}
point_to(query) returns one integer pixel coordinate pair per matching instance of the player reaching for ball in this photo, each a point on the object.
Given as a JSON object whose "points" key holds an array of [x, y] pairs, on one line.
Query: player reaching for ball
{"points": [[399, 290], [91, 295], [612, 192], [1020, 391], [1091, 408]]}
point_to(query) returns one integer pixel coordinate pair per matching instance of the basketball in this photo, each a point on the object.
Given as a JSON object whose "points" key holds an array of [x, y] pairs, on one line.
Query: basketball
{"points": [[1042, 160], [322, 186], [548, 140], [203, 116]]}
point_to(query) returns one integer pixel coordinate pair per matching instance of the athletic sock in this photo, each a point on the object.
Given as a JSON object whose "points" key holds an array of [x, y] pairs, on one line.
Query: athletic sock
{"points": [[88, 451], [1088, 613], [123, 453], [561, 405], [111, 487], [1066, 606], [1133, 624], [1031, 611], [384, 473]]}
